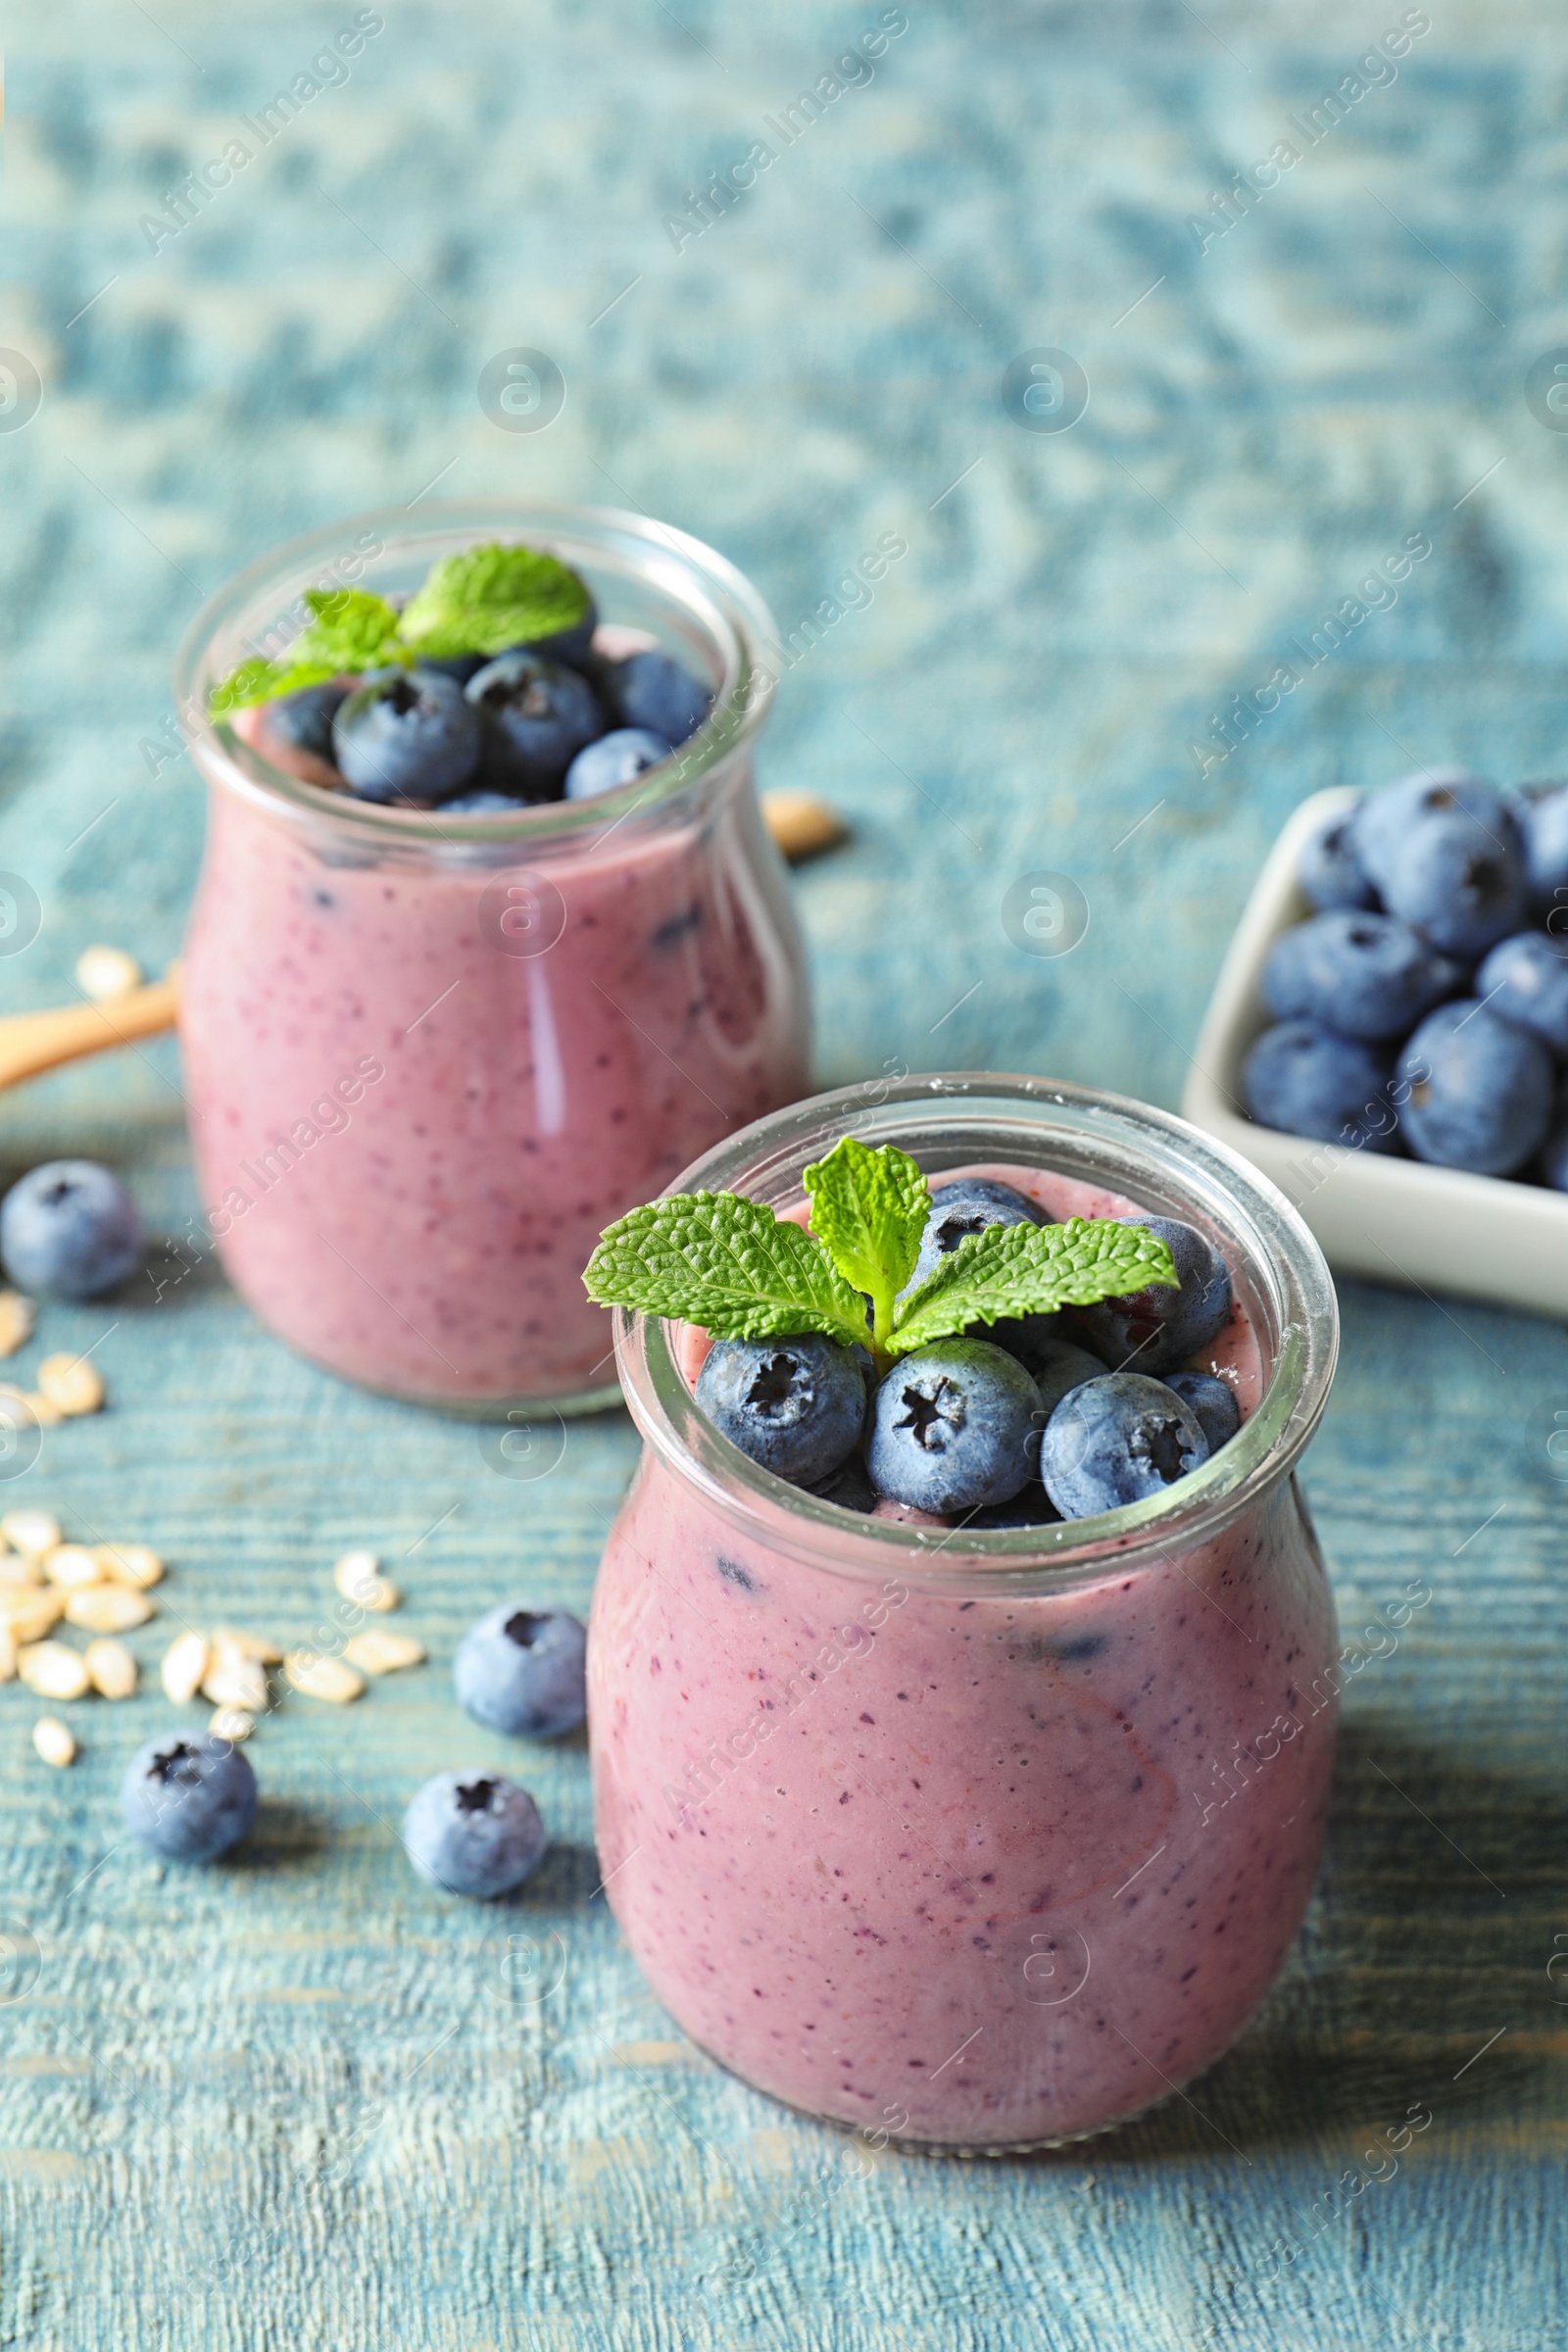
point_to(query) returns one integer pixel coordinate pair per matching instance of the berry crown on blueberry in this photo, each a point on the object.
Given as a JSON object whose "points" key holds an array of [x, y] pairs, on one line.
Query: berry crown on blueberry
{"points": [[483, 601], [732, 1265]]}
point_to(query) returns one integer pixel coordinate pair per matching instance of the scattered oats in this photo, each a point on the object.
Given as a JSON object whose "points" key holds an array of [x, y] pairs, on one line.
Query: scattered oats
{"points": [[231, 1682], [232, 1723], [53, 1740], [72, 1383], [183, 1667], [16, 1569], [110, 1669], [106, 974], [228, 1638], [43, 1409], [108, 1609], [321, 1677], [30, 1613], [8, 1653], [377, 1652], [32, 1532], [16, 1321], [358, 1577], [71, 1566], [135, 1564], [53, 1670]]}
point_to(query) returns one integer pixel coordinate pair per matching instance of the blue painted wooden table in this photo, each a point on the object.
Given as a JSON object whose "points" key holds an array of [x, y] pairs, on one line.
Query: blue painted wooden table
{"points": [[296, 2100]]}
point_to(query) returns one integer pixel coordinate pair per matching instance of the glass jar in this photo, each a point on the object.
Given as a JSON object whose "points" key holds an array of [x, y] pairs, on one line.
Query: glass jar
{"points": [[982, 1842], [429, 1057]]}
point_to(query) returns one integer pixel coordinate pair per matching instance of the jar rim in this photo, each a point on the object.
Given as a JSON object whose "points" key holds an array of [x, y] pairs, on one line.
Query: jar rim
{"points": [[713, 602], [1274, 1260]]}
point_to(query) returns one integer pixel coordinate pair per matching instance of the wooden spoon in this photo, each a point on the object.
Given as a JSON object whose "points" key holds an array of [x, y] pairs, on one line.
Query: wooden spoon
{"points": [[31, 1041]]}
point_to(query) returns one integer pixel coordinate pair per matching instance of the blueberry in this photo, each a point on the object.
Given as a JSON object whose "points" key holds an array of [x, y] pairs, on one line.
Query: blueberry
{"points": [[1481, 1092], [407, 738], [1541, 812], [473, 1832], [1032, 1507], [539, 717], [969, 1205], [1444, 852], [1525, 980], [796, 1405], [1330, 872], [1159, 1326], [615, 760], [1058, 1366], [1214, 1401], [572, 646], [650, 690], [69, 1230], [1361, 975], [304, 720], [188, 1796], [522, 1673], [1554, 1151], [483, 803], [1306, 1081], [850, 1487], [1116, 1441], [953, 1425]]}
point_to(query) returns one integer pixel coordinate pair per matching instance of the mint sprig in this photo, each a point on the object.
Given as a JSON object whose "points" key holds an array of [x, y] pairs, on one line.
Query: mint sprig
{"points": [[480, 602], [731, 1265]]}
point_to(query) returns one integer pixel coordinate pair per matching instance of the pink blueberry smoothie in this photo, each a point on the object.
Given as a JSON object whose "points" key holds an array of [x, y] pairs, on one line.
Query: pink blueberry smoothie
{"points": [[978, 1871]]}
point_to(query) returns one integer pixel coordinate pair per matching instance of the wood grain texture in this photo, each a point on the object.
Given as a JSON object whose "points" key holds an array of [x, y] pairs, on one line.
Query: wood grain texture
{"points": [[297, 2101]]}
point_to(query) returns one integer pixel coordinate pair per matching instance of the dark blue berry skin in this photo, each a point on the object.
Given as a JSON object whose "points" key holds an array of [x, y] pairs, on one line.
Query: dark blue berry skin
{"points": [[572, 646], [797, 1405], [1330, 871], [406, 739], [1306, 1081], [483, 803], [850, 1487], [1361, 975], [475, 1833], [539, 717], [188, 1796], [1525, 980], [954, 1426], [1117, 1441], [1541, 812], [1554, 1162], [1481, 1092], [650, 690], [1446, 853], [304, 720], [1032, 1507], [69, 1230], [1212, 1400], [969, 1205], [615, 760], [1151, 1328], [521, 1673], [1059, 1365]]}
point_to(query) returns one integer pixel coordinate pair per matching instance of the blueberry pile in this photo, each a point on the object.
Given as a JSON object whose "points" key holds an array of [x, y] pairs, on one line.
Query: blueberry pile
{"points": [[1015, 1424], [1423, 1009]]}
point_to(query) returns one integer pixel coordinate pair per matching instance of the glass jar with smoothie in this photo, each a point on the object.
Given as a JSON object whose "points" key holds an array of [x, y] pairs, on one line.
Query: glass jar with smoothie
{"points": [[431, 1050], [980, 1836]]}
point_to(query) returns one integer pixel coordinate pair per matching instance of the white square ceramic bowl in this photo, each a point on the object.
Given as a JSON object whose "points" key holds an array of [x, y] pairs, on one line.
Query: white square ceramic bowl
{"points": [[1392, 1220]]}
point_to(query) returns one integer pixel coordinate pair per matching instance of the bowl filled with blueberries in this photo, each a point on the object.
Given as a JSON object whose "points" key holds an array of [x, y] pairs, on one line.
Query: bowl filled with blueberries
{"points": [[1389, 1035]]}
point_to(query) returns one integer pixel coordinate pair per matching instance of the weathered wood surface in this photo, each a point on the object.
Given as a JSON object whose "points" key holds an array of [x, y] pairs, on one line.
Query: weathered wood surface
{"points": [[297, 2101]]}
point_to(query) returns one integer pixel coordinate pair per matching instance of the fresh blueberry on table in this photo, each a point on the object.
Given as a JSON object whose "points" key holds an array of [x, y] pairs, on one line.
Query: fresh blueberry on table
{"points": [[1214, 1402], [1154, 1327], [1306, 1081], [953, 1425], [1331, 872], [1361, 975], [1541, 812], [473, 1833], [796, 1405], [615, 760], [407, 738], [539, 716], [1448, 858], [1525, 980], [188, 1796], [69, 1230], [1480, 1090], [650, 690], [1116, 1440], [521, 1673], [969, 1205]]}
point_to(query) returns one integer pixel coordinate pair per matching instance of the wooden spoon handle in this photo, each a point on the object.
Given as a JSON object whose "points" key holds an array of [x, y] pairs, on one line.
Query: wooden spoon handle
{"points": [[31, 1041]]}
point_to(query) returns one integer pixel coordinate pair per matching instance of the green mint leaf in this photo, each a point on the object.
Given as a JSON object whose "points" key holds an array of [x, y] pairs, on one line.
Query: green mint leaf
{"points": [[349, 629], [726, 1263], [869, 1210], [489, 597], [1030, 1270]]}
